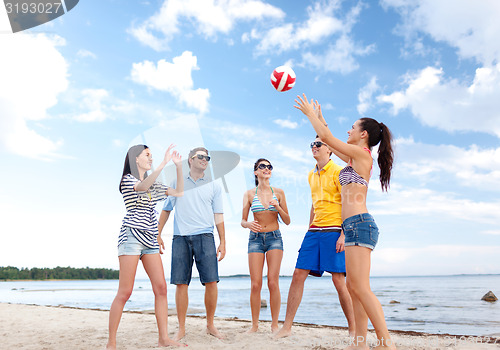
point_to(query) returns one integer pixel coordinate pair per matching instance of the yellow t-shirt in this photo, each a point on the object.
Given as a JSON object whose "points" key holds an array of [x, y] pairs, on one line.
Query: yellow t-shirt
{"points": [[325, 193]]}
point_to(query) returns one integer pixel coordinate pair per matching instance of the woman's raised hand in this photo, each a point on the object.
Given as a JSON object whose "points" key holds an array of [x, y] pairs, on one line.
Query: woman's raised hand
{"points": [[168, 156], [176, 158], [306, 107], [319, 114]]}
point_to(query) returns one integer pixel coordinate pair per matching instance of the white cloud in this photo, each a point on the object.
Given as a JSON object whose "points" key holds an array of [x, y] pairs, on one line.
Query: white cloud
{"points": [[470, 26], [50, 222], [208, 17], [424, 202], [438, 101], [365, 96], [471, 167], [435, 260], [33, 73], [491, 232], [174, 78], [291, 157], [320, 25], [93, 101], [319, 28], [327, 106], [285, 123], [86, 53], [451, 105], [339, 57]]}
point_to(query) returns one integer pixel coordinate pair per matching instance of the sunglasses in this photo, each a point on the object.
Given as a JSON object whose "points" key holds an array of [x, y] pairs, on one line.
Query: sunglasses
{"points": [[317, 144], [201, 156], [263, 166]]}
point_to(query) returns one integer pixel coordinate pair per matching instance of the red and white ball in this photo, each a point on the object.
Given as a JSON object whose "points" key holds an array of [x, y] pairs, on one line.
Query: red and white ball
{"points": [[283, 78]]}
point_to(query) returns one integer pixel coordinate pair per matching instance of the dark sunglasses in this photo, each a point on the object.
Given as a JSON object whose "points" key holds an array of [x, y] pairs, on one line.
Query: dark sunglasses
{"points": [[201, 156], [263, 166], [317, 144]]}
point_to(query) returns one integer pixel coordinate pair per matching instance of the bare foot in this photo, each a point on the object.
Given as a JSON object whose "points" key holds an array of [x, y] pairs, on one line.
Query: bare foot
{"points": [[214, 332], [254, 329], [180, 334], [169, 342], [352, 333], [111, 346], [274, 329], [386, 344], [282, 333], [388, 347]]}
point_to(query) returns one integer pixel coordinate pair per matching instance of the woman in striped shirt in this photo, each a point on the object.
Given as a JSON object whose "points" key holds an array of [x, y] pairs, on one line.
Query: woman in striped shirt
{"points": [[265, 241], [138, 235]]}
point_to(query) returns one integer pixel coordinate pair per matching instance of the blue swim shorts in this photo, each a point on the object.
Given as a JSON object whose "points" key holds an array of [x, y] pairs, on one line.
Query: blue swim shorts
{"points": [[360, 230], [318, 253], [196, 248], [261, 242]]}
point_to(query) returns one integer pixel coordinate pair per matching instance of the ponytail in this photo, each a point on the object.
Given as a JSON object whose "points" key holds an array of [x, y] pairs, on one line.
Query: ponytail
{"points": [[380, 133], [385, 156]]}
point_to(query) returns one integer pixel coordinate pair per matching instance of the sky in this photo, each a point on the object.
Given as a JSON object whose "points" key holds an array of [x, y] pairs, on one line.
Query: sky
{"points": [[77, 91]]}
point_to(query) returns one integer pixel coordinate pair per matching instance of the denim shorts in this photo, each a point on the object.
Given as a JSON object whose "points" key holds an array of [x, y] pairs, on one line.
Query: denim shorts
{"points": [[318, 253], [360, 230], [133, 247], [261, 242], [195, 248]]}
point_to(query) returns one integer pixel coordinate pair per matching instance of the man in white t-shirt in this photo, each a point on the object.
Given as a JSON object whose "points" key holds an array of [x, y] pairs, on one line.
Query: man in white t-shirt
{"points": [[195, 215]]}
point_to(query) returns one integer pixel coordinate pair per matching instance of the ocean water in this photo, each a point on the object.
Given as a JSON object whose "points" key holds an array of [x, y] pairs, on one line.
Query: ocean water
{"points": [[444, 304]]}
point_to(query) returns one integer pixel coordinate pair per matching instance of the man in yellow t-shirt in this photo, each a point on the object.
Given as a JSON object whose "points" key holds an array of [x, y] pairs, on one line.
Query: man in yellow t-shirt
{"points": [[323, 246]]}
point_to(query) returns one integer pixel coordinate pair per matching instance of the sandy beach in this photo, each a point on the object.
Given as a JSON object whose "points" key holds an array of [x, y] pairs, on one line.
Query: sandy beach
{"points": [[43, 327]]}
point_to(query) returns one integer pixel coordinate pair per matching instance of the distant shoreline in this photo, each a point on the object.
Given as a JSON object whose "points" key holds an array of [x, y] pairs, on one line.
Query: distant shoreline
{"points": [[326, 275], [60, 280]]}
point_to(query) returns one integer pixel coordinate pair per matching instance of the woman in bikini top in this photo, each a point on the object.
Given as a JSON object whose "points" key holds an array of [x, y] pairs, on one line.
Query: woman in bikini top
{"points": [[361, 232], [258, 207], [264, 243], [348, 175]]}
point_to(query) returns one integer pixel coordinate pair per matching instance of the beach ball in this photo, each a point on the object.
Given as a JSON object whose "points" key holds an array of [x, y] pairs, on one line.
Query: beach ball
{"points": [[283, 78]]}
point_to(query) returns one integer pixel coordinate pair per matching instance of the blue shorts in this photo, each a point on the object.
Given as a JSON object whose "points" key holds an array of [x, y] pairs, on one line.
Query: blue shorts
{"points": [[133, 247], [360, 230], [261, 242], [199, 248], [318, 253]]}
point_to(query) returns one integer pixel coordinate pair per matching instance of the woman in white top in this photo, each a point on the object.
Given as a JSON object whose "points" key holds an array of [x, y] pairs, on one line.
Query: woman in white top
{"points": [[138, 235]]}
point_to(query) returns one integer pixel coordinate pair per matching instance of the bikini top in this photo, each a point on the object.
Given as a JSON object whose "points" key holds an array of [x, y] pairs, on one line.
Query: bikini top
{"points": [[257, 205], [348, 175]]}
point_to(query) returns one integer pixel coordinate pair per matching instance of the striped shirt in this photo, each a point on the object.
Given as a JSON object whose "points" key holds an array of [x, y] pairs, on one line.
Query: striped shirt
{"points": [[141, 214]]}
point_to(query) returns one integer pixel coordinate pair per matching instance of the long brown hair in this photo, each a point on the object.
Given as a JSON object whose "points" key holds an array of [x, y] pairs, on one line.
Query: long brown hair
{"points": [[379, 132], [130, 166]]}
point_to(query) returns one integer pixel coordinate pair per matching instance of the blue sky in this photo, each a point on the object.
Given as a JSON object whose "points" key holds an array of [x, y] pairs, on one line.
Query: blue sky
{"points": [[76, 92]]}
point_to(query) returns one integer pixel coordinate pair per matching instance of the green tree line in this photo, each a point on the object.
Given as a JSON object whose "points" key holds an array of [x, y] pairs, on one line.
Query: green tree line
{"points": [[60, 273]]}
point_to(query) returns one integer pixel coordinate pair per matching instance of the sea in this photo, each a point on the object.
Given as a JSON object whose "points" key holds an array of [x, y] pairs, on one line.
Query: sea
{"points": [[429, 304]]}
